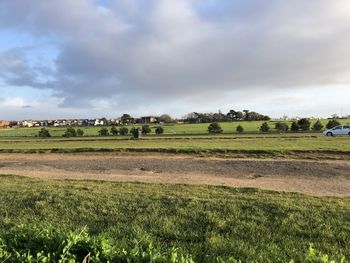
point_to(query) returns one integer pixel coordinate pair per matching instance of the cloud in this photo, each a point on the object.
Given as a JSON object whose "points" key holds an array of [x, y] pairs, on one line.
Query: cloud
{"points": [[137, 52]]}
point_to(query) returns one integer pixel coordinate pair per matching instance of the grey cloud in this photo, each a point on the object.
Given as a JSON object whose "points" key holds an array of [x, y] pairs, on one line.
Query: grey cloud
{"points": [[180, 49]]}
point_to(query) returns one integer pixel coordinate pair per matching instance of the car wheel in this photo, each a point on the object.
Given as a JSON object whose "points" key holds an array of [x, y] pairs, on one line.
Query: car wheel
{"points": [[329, 134], [349, 133]]}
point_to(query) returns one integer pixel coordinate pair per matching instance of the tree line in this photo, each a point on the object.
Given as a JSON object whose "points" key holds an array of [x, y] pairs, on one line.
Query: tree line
{"points": [[232, 115], [104, 131], [296, 126]]}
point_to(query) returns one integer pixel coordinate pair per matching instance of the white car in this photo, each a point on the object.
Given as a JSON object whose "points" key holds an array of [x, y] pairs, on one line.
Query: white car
{"points": [[338, 130]]}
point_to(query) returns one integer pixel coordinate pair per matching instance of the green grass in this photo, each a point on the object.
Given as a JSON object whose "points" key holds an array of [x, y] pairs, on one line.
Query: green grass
{"points": [[173, 129], [214, 144], [204, 221]]}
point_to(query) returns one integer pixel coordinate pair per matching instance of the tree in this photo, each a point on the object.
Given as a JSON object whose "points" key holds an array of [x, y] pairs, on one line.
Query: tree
{"points": [[126, 119], [114, 131], [281, 126], [231, 114], [239, 115], [240, 129], [318, 126], [103, 132], [146, 129], [44, 133], [135, 132], [159, 130], [70, 132], [294, 127], [246, 114], [304, 124], [332, 123], [265, 127], [123, 131], [166, 118], [80, 132], [214, 128]]}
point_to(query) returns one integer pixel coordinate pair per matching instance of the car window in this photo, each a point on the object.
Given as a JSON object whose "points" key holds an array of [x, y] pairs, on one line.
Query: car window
{"points": [[346, 127], [337, 128]]}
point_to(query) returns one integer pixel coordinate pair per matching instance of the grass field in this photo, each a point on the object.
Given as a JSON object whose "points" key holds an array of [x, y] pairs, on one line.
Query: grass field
{"points": [[175, 129], [203, 221], [182, 144]]}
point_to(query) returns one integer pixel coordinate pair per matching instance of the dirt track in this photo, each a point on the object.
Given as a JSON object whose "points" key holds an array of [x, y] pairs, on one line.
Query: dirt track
{"points": [[320, 178]]}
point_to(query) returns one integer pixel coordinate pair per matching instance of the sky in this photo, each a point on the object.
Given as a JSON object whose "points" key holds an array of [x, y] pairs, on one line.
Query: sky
{"points": [[103, 58]]}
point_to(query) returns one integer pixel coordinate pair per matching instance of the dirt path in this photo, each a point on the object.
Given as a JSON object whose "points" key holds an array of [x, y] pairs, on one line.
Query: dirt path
{"points": [[321, 178]]}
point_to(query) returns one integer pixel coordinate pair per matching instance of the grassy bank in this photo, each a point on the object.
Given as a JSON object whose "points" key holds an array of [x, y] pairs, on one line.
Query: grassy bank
{"points": [[203, 221], [262, 145]]}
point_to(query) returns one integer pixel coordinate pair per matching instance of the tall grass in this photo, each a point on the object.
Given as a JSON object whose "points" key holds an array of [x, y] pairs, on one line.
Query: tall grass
{"points": [[30, 243], [205, 222]]}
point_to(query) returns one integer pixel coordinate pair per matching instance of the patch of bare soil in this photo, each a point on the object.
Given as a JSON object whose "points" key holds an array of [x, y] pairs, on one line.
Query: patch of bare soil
{"points": [[320, 178]]}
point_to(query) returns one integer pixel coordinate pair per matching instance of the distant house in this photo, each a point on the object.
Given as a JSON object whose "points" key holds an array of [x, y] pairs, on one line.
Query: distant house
{"points": [[148, 120], [99, 122], [4, 124], [115, 121], [91, 122], [27, 123]]}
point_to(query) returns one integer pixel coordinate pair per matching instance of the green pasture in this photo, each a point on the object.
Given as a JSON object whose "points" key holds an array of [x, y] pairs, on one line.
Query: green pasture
{"points": [[182, 144], [204, 221], [170, 129]]}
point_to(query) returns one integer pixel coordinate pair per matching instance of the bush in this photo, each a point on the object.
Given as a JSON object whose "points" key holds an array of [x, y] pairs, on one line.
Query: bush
{"points": [[215, 128], [146, 129], [159, 130], [123, 131], [133, 130], [295, 127], [240, 129], [114, 131], [332, 123], [70, 132], [304, 124], [103, 132], [318, 126], [265, 127], [281, 126], [44, 133], [80, 132]]}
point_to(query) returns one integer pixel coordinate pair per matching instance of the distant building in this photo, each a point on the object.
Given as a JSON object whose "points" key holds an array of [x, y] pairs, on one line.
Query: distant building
{"points": [[99, 122], [4, 124], [148, 120]]}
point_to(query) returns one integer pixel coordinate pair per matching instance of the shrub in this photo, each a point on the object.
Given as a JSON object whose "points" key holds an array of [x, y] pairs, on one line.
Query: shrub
{"points": [[265, 127], [103, 132], [295, 127], [332, 123], [114, 131], [123, 131], [304, 124], [240, 129], [281, 126], [214, 128], [133, 130], [70, 132], [318, 126], [159, 130], [146, 129], [80, 132], [44, 133]]}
